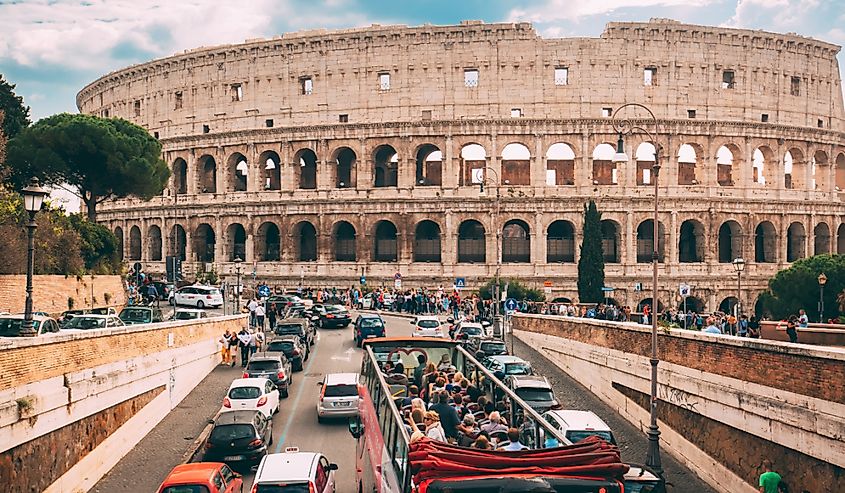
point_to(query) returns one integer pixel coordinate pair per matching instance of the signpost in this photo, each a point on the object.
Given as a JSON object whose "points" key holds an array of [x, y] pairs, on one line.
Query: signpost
{"points": [[510, 305], [606, 290], [363, 281], [684, 291], [397, 280], [460, 283]]}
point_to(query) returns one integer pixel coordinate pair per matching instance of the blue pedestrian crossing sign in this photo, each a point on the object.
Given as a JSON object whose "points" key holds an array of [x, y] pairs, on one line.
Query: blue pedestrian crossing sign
{"points": [[460, 282], [510, 304], [263, 291], [363, 280]]}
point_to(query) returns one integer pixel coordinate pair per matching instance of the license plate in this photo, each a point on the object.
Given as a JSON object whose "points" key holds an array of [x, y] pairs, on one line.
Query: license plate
{"points": [[233, 457], [341, 404]]}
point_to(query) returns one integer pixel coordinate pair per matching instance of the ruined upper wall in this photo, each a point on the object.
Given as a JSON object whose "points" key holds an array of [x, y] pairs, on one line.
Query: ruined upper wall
{"points": [[196, 91]]}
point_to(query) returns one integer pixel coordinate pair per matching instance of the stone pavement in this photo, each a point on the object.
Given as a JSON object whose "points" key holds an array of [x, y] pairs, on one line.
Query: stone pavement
{"points": [[144, 468]]}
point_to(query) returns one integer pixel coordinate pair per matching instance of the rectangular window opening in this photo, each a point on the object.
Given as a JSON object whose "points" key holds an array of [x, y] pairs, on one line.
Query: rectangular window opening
{"points": [[607, 112], [237, 92], [728, 79], [344, 118], [471, 77], [561, 76], [516, 112], [105, 113], [690, 113], [649, 76], [205, 129], [795, 86], [820, 123], [384, 81], [138, 107], [307, 85], [426, 115], [178, 103], [764, 117], [155, 135], [268, 123]]}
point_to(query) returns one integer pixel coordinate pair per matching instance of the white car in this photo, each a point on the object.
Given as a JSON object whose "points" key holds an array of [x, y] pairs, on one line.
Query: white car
{"points": [[198, 296], [188, 314], [295, 471], [427, 327], [338, 397], [257, 394], [11, 325], [578, 425], [88, 322]]}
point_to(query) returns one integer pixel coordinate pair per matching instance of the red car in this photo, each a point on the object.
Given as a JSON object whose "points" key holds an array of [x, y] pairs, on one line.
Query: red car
{"points": [[202, 477]]}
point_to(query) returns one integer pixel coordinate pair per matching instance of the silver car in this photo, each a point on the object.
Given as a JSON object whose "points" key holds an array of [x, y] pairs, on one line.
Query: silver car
{"points": [[338, 397]]}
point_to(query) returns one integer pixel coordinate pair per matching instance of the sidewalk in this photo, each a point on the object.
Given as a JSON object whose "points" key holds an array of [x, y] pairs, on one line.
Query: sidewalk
{"points": [[145, 467]]}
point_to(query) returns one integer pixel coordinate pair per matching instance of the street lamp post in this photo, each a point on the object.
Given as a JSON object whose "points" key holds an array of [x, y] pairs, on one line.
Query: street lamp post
{"points": [[33, 198], [495, 291], [822, 282], [625, 127], [238, 261], [739, 266]]}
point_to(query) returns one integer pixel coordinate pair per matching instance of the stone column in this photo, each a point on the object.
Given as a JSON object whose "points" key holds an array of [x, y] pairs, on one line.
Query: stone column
{"points": [[192, 174], [221, 240], [449, 241], [672, 241], [249, 248], [407, 171], [287, 167], [583, 166], [669, 164], [629, 248], [450, 171], [538, 241], [221, 176], [189, 247], [538, 164], [495, 161], [364, 164]]}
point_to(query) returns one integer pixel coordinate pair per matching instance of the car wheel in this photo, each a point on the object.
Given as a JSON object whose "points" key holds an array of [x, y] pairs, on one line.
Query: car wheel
{"points": [[200, 304], [285, 394], [358, 342], [320, 419]]}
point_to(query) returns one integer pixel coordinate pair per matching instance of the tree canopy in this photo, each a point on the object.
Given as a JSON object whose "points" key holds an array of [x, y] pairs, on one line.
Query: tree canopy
{"points": [[591, 260], [101, 158], [798, 287], [16, 113]]}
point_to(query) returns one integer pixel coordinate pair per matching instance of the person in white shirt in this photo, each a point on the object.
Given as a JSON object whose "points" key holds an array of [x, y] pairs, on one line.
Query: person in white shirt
{"points": [[251, 306], [259, 316], [514, 445]]}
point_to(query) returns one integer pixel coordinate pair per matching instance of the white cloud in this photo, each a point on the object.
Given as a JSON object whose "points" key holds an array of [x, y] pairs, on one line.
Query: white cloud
{"points": [[555, 10], [774, 15]]}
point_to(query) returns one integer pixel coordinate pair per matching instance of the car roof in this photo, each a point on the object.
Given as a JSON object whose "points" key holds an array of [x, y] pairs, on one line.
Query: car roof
{"points": [[535, 381], [236, 417], [472, 324], [94, 315], [291, 320], [287, 466], [507, 358], [370, 315], [193, 473], [20, 316], [247, 382], [580, 420], [341, 379]]}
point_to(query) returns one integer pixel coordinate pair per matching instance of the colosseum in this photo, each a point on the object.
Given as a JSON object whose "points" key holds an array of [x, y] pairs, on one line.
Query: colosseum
{"points": [[438, 152]]}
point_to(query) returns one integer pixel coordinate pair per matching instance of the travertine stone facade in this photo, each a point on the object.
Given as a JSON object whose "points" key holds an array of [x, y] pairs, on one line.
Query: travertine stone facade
{"points": [[326, 155]]}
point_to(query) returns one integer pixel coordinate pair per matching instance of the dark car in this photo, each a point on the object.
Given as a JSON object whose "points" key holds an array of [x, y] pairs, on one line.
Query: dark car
{"points": [[368, 325], [282, 301], [291, 347], [298, 327], [534, 390], [334, 316], [273, 366], [132, 315], [487, 346], [239, 438]]}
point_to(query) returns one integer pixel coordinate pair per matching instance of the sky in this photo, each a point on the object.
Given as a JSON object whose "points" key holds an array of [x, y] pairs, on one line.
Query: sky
{"points": [[52, 48]]}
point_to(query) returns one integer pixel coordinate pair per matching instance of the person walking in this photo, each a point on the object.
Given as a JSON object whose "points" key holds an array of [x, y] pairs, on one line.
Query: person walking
{"points": [[271, 316], [233, 348], [791, 331], [225, 353], [244, 339], [259, 316], [803, 319], [769, 480]]}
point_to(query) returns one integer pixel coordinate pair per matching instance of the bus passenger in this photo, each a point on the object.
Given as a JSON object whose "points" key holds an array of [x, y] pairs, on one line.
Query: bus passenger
{"points": [[482, 443]]}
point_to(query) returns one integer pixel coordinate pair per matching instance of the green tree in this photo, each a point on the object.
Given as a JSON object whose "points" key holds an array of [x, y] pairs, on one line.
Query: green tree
{"points": [[101, 158], [591, 260], [516, 290], [798, 287], [97, 245], [17, 114]]}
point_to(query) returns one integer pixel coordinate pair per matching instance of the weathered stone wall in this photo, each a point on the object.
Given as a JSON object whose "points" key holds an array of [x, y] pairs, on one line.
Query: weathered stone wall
{"points": [[725, 403], [51, 293]]}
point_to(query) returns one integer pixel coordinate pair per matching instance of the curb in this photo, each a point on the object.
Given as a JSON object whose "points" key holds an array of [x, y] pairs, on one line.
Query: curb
{"points": [[189, 455]]}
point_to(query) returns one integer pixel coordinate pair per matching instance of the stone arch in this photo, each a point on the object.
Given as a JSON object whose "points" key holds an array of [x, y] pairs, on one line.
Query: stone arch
{"points": [[204, 243], [180, 176], [840, 172], [691, 242], [385, 166], [604, 169], [560, 164], [207, 174], [345, 175], [473, 164], [794, 169], [154, 243], [821, 233], [765, 243], [429, 165], [344, 237], [764, 166], [178, 242], [726, 156], [305, 241], [730, 241], [693, 304], [516, 242], [645, 156], [235, 242], [611, 243], [821, 171], [385, 242], [472, 246], [729, 304], [271, 165], [560, 242], [647, 301], [269, 242], [237, 173], [427, 241], [840, 239], [688, 156], [118, 234], [134, 243], [306, 161], [645, 241], [795, 236], [516, 164]]}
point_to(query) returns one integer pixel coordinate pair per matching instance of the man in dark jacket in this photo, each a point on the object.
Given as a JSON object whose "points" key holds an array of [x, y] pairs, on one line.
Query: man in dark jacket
{"points": [[449, 418]]}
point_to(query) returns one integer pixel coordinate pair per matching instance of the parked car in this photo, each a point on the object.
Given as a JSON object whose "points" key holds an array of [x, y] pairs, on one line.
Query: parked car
{"points": [[427, 326], [87, 322], [199, 296], [465, 330], [368, 325], [291, 347], [65, 317], [366, 302], [205, 477], [483, 347], [11, 325], [298, 327], [272, 366], [338, 396], [295, 472], [188, 314], [132, 315], [282, 300], [334, 316], [535, 390], [239, 438], [505, 365], [578, 425], [257, 394]]}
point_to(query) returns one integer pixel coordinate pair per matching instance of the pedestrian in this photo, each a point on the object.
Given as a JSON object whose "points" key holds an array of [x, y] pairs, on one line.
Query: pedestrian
{"points": [[233, 348], [791, 331], [803, 319], [271, 316], [259, 316], [769, 480], [225, 353], [754, 327], [251, 306], [244, 339]]}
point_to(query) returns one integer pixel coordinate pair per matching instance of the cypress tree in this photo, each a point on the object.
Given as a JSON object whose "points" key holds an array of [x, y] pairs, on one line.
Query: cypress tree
{"points": [[591, 261]]}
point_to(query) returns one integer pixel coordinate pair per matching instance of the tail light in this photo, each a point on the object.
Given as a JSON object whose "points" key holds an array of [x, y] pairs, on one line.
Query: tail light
{"points": [[281, 375], [256, 443], [322, 392], [296, 352], [262, 401], [208, 296], [329, 315], [245, 375], [311, 488], [227, 402], [254, 488]]}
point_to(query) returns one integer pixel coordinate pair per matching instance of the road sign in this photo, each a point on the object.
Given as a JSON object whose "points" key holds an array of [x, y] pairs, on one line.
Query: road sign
{"points": [[363, 280], [397, 276], [397, 283], [137, 266], [264, 291], [547, 284], [510, 304], [460, 282], [684, 290], [607, 289]]}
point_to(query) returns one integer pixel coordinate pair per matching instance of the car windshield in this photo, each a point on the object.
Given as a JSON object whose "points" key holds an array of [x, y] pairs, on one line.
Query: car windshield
{"points": [[280, 346], [288, 329], [368, 323], [100, 311], [517, 369], [85, 323], [262, 365], [224, 433], [341, 391], [529, 394], [493, 347], [472, 331], [428, 324], [136, 315], [10, 327], [186, 315], [186, 488], [334, 309], [245, 393], [283, 488], [575, 436]]}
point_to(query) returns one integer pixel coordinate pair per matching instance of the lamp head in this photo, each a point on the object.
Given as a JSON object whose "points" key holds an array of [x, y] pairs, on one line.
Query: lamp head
{"points": [[822, 279], [620, 156], [33, 196], [238, 260], [739, 264]]}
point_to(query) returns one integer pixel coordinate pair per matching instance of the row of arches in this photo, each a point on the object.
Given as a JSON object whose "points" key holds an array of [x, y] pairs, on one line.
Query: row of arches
{"points": [[472, 242], [795, 169]]}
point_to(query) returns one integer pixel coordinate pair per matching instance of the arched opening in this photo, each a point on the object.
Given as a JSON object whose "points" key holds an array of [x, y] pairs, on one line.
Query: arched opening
{"points": [[724, 165], [645, 163], [691, 242], [236, 239], [693, 304], [516, 165], [730, 241], [763, 167], [765, 243], [427, 242], [687, 159], [604, 169], [305, 239], [516, 242], [795, 236], [208, 174], [204, 242], [238, 170], [645, 241], [154, 243], [560, 242], [840, 172], [134, 243], [178, 242], [429, 166], [180, 177], [560, 165], [269, 243], [648, 302], [821, 171], [344, 242], [272, 170], [473, 164], [118, 234], [728, 304], [610, 241], [794, 169], [385, 246], [306, 160], [345, 176], [471, 242], [840, 239], [821, 233], [760, 309], [386, 167]]}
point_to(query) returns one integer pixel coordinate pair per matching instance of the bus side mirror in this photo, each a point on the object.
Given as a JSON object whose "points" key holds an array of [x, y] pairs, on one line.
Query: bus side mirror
{"points": [[356, 429]]}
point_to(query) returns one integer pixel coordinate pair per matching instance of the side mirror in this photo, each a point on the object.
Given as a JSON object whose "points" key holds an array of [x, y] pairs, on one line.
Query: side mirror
{"points": [[332, 467], [412, 322], [485, 323], [211, 421], [356, 429], [450, 320]]}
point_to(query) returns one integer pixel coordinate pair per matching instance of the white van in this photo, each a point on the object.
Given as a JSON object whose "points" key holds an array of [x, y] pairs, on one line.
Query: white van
{"points": [[199, 296]]}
